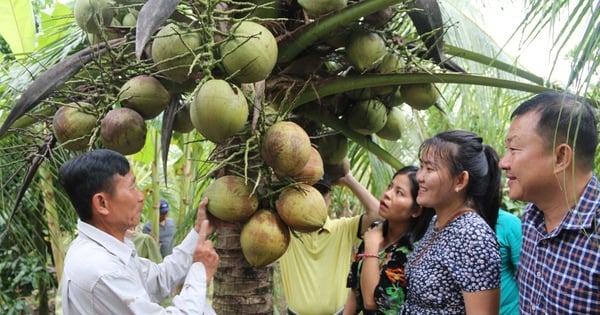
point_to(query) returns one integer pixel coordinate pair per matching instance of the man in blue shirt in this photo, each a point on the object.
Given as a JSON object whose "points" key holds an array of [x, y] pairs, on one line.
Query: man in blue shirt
{"points": [[550, 150], [166, 229]]}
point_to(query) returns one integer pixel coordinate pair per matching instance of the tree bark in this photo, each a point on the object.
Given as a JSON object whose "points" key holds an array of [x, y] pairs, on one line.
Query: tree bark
{"points": [[240, 288]]}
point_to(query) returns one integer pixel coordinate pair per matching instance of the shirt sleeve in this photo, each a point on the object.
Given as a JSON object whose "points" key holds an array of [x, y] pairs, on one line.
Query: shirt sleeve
{"points": [[120, 293], [478, 262]]}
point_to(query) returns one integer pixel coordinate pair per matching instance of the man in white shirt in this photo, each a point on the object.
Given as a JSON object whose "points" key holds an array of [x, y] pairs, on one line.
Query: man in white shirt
{"points": [[102, 273]]}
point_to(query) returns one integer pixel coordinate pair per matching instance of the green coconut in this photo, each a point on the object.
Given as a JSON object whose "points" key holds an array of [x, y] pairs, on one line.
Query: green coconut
{"points": [[219, 110], [316, 8], [366, 51], [419, 96], [250, 53], [333, 148], [367, 117], [92, 15], [286, 148], [391, 63], [173, 52], [73, 125], [144, 94], [264, 238], [303, 209], [393, 126], [230, 198], [123, 130]]}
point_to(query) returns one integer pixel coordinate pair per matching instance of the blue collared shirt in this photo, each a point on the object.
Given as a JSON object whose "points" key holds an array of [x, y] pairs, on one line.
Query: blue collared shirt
{"points": [[559, 271]]}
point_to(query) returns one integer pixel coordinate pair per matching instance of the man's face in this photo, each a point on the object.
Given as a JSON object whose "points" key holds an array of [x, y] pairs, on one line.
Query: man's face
{"points": [[528, 162], [125, 203]]}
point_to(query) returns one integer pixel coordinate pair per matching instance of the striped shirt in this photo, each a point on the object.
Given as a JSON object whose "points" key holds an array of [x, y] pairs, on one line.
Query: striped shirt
{"points": [[559, 271]]}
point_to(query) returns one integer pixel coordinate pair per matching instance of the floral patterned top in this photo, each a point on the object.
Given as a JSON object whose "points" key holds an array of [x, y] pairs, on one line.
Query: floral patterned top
{"points": [[391, 290], [464, 257]]}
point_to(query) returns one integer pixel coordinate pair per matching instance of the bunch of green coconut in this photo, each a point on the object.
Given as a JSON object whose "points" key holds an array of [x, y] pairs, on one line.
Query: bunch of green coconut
{"points": [[220, 91]]}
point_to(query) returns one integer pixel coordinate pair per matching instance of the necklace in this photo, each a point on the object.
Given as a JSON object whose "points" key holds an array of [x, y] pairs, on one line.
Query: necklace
{"points": [[437, 233]]}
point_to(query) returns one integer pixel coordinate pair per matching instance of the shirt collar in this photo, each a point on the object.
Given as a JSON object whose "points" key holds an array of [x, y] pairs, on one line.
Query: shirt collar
{"points": [[123, 250], [582, 215], [327, 226]]}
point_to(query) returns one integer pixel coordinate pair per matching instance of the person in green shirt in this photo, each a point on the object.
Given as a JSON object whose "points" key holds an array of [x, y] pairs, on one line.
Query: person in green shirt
{"points": [[315, 265], [508, 232]]}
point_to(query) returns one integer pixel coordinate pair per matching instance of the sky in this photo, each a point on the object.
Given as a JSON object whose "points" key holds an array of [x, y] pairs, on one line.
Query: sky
{"points": [[501, 19]]}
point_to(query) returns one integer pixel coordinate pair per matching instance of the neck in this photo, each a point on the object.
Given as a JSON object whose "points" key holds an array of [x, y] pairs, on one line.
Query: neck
{"points": [[446, 214], [562, 198], [394, 232]]}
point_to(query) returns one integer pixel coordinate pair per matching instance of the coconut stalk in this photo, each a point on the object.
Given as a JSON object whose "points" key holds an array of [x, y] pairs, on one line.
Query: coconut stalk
{"points": [[184, 181], [56, 243], [155, 217]]}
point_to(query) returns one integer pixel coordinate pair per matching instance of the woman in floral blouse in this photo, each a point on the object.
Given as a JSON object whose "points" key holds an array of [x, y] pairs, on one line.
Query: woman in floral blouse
{"points": [[377, 273]]}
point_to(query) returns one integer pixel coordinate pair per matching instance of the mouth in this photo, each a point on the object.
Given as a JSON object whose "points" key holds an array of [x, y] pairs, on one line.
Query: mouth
{"points": [[382, 205]]}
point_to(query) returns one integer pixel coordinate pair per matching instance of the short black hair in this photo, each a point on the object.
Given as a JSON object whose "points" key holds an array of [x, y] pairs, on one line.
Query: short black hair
{"points": [[564, 118], [90, 173]]}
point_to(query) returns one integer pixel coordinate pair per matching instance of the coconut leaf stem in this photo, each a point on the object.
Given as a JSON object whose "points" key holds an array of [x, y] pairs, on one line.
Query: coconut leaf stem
{"points": [[492, 62], [292, 46], [340, 85]]}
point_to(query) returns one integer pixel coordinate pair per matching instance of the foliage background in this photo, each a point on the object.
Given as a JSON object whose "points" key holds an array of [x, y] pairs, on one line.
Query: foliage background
{"points": [[37, 34]]}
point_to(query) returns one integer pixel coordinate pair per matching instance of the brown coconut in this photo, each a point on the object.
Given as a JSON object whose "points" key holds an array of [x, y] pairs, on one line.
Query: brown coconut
{"points": [[333, 148], [230, 198], [286, 148], [73, 125], [123, 130], [302, 208], [312, 170], [182, 122], [144, 94], [337, 170], [264, 238]]}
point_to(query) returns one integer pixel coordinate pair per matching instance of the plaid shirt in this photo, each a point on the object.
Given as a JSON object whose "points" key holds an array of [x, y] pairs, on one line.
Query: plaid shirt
{"points": [[559, 272]]}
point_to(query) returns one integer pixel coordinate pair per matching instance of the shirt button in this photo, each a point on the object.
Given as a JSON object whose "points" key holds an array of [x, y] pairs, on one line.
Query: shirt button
{"points": [[543, 242], [538, 274]]}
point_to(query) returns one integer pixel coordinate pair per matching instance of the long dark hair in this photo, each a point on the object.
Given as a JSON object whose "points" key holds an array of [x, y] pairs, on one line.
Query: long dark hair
{"points": [[465, 151], [419, 224]]}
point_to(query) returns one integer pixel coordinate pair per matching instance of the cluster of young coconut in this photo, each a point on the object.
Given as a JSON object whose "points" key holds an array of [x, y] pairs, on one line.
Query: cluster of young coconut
{"points": [[215, 68]]}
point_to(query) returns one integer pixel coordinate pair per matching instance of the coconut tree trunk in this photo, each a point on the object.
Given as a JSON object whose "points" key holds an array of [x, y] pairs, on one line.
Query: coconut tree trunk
{"points": [[238, 287]]}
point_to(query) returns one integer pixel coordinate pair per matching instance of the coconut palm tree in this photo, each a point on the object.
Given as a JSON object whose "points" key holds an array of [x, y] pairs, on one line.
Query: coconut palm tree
{"points": [[469, 101]]}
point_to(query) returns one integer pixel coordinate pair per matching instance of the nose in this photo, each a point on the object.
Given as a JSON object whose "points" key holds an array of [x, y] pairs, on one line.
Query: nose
{"points": [[503, 163], [141, 195], [419, 175]]}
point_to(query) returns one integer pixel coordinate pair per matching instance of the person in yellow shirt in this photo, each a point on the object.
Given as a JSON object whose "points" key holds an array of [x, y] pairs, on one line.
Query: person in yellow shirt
{"points": [[315, 265]]}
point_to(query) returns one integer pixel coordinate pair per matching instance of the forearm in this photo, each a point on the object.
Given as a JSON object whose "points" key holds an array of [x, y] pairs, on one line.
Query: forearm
{"points": [[365, 197], [369, 278], [350, 306]]}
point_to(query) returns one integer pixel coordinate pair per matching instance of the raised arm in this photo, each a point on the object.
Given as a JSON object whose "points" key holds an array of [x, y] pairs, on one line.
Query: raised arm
{"points": [[365, 197]]}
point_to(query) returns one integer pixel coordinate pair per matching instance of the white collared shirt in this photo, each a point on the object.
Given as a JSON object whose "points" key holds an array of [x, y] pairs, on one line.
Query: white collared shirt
{"points": [[103, 275]]}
